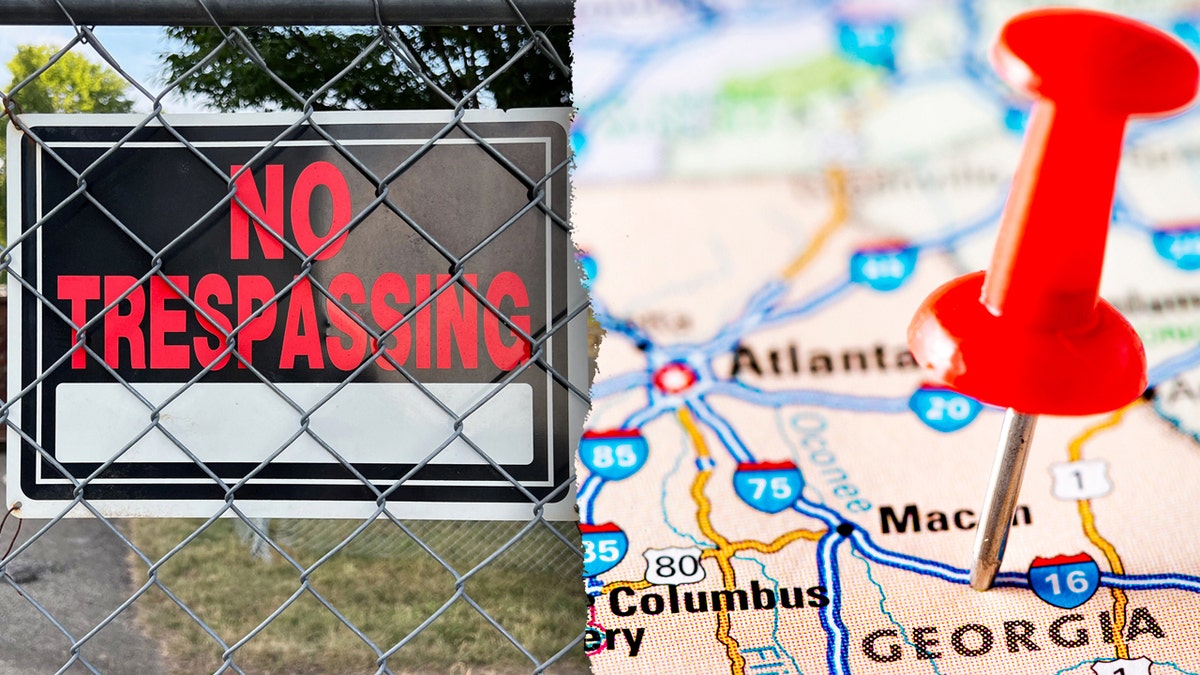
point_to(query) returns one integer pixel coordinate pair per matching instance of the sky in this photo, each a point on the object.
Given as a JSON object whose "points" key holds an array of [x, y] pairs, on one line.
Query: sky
{"points": [[134, 47]]}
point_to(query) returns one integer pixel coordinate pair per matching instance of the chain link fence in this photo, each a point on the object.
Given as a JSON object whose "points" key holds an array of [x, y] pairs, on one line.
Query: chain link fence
{"points": [[540, 553], [89, 591]]}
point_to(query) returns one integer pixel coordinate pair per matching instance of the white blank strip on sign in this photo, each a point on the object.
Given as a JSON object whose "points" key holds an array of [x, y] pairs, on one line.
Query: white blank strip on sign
{"points": [[392, 423]]}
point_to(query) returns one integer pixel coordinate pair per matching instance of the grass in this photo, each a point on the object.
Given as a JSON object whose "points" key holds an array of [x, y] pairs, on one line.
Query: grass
{"points": [[385, 597], [382, 583]]}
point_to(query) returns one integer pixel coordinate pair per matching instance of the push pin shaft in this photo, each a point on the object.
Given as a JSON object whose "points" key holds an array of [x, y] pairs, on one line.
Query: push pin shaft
{"points": [[1000, 504], [1032, 334]]}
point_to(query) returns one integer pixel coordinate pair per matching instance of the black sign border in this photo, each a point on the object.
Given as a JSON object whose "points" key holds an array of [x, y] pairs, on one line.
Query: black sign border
{"points": [[550, 465]]}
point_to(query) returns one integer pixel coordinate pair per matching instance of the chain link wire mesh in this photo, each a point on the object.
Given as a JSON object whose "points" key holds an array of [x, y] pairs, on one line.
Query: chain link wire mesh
{"points": [[541, 552], [237, 593]]}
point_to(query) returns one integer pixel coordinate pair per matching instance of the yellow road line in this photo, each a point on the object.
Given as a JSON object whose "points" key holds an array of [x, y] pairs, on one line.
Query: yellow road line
{"points": [[780, 542], [693, 432], [725, 549], [841, 208], [1120, 600], [737, 662], [704, 511]]}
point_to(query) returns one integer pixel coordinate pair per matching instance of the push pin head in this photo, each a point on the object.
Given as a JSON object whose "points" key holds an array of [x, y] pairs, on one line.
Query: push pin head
{"points": [[1101, 61], [1032, 334]]}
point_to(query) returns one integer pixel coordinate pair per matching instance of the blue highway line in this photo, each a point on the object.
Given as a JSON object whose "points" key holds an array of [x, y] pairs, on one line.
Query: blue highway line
{"points": [[1172, 367], [810, 397], [587, 497], [837, 647], [953, 236], [929, 568], [635, 379], [1125, 215], [644, 416], [724, 431], [819, 300], [1151, 582]]}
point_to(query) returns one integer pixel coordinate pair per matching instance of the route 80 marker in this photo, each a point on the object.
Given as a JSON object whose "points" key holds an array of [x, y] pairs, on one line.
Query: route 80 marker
{"points": [[673, 566]]}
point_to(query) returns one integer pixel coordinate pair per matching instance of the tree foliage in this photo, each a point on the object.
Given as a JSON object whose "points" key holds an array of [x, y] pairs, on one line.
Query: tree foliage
{"points": [[306, 58], [72, 85]]}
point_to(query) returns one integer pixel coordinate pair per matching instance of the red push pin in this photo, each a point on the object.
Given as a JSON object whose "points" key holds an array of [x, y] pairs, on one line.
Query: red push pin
{"points": [[1032, 334]]}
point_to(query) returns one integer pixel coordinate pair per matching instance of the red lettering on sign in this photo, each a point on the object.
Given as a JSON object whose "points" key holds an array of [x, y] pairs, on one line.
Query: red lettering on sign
{"points": [[78, 290], [164, 321], [341, 338], [506, 356], [128, 326], [424, 330], [326, 175], [301, 337], [210, 287], [346, 288], [392, 285], [271, 214], [458, 322], [253, 291]]}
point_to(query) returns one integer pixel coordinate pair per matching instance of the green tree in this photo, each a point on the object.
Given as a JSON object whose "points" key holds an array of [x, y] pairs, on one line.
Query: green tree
{"points": [[72, 85], [457, 58]]}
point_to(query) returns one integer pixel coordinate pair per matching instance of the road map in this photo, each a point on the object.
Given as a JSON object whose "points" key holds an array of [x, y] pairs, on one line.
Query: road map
{"points": [[764, 193]]}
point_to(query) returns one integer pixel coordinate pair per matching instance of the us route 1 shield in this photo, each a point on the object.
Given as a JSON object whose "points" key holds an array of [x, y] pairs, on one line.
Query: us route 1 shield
{"points": [[356, 261]]}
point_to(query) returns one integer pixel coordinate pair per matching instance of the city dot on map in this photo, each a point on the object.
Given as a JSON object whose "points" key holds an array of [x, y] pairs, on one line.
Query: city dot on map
{"points": [[674, 378]]}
